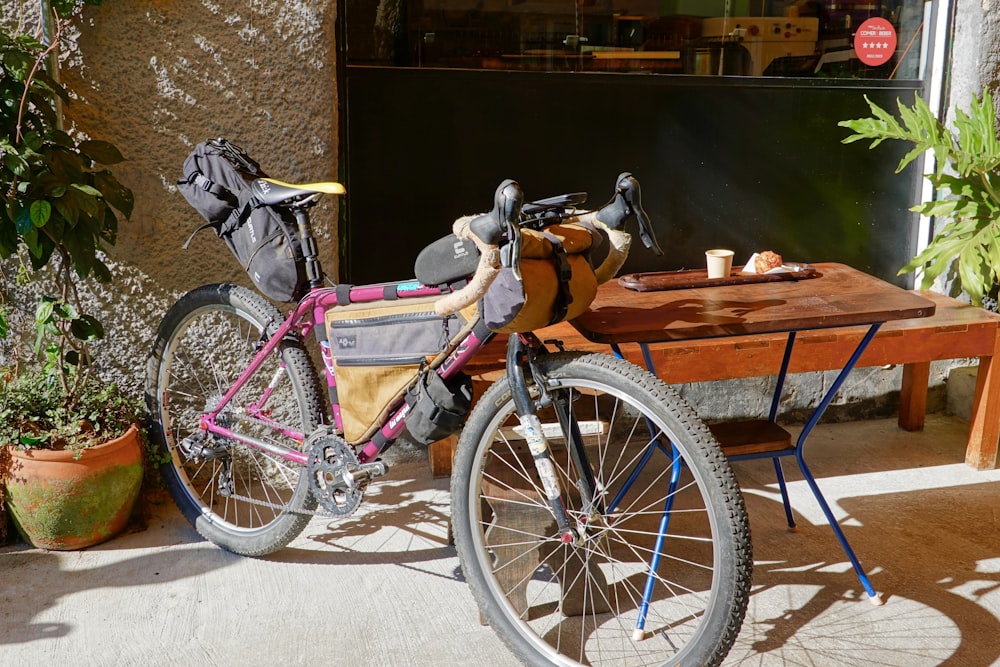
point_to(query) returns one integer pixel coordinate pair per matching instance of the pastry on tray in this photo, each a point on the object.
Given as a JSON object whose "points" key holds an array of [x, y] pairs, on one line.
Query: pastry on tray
{"points": [[766, 260]]}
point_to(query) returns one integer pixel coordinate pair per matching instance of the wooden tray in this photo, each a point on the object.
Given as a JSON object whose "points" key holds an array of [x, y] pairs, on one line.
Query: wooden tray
{"points": [[657, 281]]}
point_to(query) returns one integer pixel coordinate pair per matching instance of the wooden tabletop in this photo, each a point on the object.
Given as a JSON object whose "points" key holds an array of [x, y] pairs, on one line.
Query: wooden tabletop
{"points": [[838, 296]]}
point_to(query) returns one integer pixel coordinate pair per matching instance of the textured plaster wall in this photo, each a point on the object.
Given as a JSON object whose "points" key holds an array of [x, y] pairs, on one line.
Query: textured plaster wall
{"points": [[157, 76], [977, 50], [163, 76]]}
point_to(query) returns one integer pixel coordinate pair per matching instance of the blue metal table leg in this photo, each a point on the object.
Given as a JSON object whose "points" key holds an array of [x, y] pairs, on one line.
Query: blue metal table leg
{"points": [[654, 563], [772, 416], [675, 473], [799, 447], [775, 402]]}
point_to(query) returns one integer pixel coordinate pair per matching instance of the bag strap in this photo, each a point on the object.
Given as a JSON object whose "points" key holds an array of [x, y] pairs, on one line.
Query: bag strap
{"points": [[233, 154], [564, 272], [202, 227], [235, 220], [202, 182]]}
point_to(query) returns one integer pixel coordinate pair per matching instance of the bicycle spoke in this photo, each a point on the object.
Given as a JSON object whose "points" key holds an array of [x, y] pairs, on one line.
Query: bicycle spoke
{"points": [[649, 562], [252, 498]]}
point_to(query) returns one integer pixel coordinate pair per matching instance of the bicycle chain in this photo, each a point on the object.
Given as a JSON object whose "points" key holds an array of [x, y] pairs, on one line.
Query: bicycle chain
{"points": [[284, 508], [193, 450], [319, 446]]}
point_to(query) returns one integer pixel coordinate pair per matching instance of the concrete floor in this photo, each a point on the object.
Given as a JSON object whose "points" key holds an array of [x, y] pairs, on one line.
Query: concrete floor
{"points": [[385, 588]]}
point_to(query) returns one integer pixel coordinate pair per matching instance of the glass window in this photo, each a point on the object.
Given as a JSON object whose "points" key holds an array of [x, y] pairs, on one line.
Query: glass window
{"points": [[785, 38]]}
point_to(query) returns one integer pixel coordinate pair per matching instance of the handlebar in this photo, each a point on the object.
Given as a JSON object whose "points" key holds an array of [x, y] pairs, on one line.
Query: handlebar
{"points": [[487, 232], [502, 224]]}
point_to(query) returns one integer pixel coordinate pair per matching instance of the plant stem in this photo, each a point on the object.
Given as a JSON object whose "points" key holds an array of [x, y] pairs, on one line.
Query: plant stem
{"points": [[31, 78]]}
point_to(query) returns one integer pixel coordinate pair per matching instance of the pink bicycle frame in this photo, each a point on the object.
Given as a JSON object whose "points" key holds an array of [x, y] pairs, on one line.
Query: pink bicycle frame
{"points": [[308, 313]]}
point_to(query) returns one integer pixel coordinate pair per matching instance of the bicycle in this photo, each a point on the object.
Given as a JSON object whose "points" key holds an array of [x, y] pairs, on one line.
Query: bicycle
{"points": [[595, 517]]}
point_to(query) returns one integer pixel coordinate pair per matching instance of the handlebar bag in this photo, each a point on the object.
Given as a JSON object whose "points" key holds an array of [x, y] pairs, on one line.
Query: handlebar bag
{"points": [[556, 280], [379, 349], [264, 240]]}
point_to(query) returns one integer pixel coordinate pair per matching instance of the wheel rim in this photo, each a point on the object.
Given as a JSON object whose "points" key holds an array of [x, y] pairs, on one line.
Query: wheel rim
{"points": [[601, 580], [192, 377]]}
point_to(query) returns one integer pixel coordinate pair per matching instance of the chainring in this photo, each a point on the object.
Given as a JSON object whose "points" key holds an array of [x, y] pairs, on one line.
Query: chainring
{"points": [[332, 475]]}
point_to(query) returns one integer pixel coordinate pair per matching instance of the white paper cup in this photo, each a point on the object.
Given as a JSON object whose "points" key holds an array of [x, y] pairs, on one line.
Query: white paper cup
{"points": [[720, 262]]}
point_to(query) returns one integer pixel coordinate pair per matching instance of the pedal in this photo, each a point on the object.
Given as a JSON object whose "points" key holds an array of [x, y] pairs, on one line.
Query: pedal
{"points": [[369, 471]]}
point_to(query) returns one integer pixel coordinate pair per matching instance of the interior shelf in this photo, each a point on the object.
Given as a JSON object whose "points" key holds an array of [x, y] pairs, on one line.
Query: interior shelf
{"points": [[757, 436]]}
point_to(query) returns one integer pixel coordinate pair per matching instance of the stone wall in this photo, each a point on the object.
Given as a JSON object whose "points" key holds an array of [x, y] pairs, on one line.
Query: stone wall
{"points": [[157, 76], [976, 47]]}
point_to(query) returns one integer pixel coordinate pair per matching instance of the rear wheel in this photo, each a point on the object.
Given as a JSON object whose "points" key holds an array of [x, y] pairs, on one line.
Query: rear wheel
{"points": [[237, 496], [659, 570]]}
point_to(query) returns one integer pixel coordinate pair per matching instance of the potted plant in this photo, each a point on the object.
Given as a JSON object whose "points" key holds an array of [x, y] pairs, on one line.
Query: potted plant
{"points": [[60, 209], [966, 183]]}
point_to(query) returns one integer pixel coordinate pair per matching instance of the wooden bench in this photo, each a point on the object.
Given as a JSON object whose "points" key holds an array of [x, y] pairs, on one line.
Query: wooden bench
{"points": [[956, 331]]}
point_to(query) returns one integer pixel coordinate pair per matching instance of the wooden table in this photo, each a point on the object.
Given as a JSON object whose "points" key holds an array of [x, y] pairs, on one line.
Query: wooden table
{"points": [[838, 296], [957, 330]]}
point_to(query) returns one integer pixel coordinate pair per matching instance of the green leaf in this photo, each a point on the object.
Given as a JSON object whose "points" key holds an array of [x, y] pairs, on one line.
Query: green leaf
{"points": [[60, 138], [22, 221], [29, 441], [79, 243], [101, 151], [65, 311], [33, 140], [87, 328], [44, 311], [41, 247], [40, 213], [68, 209], [101, 271], [109, 231], [941, 208], [85, 189], [115, 193], [17, 164], [87, 198], [67, 166]]}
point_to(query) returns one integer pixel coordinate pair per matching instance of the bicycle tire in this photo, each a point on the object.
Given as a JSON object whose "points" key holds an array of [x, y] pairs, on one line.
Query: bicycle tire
{"points": [[579, 604], [204, 342]]}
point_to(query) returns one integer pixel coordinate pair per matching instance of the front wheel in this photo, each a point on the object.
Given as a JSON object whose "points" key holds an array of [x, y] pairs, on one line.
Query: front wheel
{"points": [[242, 498], [659, 570]]}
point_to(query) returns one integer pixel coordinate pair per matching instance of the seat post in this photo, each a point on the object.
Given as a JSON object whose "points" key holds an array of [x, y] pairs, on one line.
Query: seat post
{"points": [[314, 272]]}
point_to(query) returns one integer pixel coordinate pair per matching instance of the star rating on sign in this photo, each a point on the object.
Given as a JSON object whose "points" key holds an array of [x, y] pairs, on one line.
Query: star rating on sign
{"points": [[875, 42]]}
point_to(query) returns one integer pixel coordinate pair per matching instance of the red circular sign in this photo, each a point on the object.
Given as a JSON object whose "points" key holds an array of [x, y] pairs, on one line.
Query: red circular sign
{"points": [[875, 42]]}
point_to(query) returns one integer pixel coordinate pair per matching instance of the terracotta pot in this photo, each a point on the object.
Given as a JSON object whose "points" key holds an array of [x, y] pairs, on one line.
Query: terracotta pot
{"points": [[60, 502]]}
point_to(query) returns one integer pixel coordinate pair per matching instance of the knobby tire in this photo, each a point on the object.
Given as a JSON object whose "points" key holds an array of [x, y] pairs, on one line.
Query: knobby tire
{"points": [[204, 342], [579, 604]]}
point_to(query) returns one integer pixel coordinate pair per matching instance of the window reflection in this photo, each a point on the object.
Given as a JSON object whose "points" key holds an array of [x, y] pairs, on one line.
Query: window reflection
{"points": [[788, 38]]}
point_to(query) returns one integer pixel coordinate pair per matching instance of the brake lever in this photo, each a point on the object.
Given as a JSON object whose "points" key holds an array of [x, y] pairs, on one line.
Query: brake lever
{"points": [[629, 189], [507, 200], [626, 202]]}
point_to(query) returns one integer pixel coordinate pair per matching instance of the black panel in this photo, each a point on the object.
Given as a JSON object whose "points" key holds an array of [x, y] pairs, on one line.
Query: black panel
{"points": [[749, 164]]}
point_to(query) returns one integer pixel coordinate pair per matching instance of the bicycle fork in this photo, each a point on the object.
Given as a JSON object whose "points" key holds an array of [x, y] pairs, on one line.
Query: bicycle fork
{"points": [[539, 446]]}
